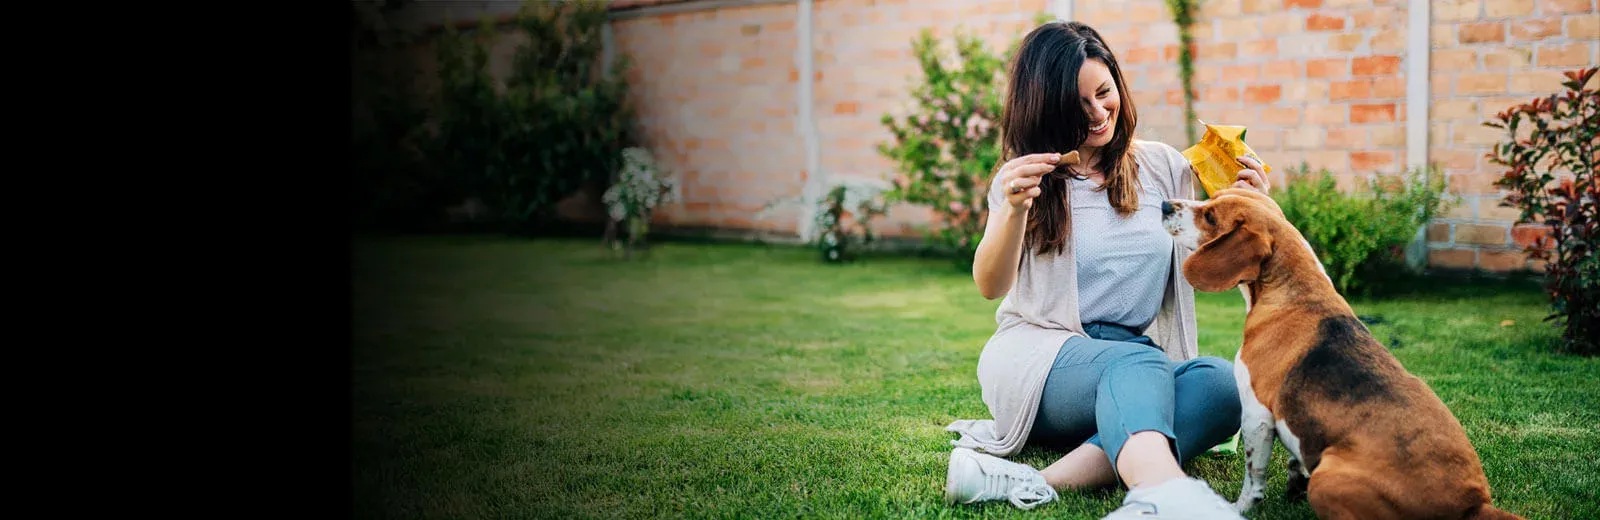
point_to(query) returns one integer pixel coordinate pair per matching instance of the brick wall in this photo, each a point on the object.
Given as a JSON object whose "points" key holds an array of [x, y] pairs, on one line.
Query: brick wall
{"points": [[1317, 81], [716, 98], [1488, 55]]}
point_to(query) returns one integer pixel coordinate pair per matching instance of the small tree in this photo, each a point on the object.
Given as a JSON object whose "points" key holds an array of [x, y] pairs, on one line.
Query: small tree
{"points": [[1561, 136], [559, 123], [571, 121], [462, 148], [948, 145], [393, 189]]}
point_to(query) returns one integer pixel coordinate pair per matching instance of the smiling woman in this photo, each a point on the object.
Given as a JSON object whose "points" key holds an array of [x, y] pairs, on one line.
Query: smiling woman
{"points": [[1095, 350]]}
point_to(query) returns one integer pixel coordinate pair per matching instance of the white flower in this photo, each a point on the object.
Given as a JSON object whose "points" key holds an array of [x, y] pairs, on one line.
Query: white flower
{"points": [[639, 188]]}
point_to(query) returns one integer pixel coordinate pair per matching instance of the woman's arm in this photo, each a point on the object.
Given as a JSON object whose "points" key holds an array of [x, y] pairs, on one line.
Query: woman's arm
{"points": [[994, 265]]}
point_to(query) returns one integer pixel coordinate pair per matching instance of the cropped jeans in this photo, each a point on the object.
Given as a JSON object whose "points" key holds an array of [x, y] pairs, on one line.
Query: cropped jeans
{"points": [[1116, 383]]}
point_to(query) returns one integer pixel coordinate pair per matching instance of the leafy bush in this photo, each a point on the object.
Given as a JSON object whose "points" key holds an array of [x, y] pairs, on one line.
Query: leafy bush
{"points": [[463, 146], [1562, 132], [948, 145], [641, 187], [844, 220], [393, 190], [1361, 237], [559, 124]]}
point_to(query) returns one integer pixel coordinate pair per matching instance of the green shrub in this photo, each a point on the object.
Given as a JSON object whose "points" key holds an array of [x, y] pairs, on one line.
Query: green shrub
{"points": [[1563, 134], [1361, 237], [467, 121], [392, 189], [558, 125], [946, 148]]}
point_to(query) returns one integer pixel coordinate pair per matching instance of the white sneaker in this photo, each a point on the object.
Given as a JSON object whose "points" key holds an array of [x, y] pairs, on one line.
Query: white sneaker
{"points": [[1177, 498], [977, 476]]}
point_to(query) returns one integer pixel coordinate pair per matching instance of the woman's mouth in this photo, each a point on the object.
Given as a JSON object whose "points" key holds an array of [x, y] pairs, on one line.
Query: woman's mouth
{"points": [[1102, 128]]}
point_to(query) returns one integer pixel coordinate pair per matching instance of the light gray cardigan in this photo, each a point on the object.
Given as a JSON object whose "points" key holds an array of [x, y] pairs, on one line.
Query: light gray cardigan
{"points": [[1041, 312]]}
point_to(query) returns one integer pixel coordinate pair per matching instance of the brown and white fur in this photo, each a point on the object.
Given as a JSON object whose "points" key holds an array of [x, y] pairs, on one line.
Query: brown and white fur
{"points": [[1367, 440]]}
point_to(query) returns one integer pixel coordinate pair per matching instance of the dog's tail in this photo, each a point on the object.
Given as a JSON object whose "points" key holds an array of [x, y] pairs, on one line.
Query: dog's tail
{"points": [[1490, 512]]}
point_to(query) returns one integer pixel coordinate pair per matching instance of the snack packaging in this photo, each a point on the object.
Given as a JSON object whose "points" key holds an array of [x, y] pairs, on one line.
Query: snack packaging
{"points": [[1215, 157]]}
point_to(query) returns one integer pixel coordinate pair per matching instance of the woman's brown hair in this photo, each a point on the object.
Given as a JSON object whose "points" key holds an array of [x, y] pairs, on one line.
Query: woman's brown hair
{"points": [[1044, 113]]}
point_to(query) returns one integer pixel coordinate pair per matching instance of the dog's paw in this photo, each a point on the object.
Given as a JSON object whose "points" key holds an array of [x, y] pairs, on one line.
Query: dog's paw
{"points": [[1297, 487], [1243, 504]]}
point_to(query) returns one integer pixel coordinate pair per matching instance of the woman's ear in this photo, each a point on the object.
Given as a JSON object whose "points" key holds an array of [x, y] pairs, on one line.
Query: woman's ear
{"points": [[1228, 260]]}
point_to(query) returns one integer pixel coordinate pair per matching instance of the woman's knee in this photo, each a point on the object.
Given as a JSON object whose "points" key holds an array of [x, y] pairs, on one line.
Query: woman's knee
{"points": [[1214, 377]]}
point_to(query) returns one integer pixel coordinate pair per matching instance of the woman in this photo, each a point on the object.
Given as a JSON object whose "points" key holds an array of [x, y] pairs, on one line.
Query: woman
{"points": [[1095, 349]]}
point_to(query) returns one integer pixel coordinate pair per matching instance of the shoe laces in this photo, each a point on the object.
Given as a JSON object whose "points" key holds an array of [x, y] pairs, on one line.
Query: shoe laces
{"points": [[1025, 490]]}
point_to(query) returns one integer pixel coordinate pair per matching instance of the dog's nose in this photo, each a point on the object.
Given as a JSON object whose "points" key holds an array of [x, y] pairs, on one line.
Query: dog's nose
{"points": [[1166, 208]]}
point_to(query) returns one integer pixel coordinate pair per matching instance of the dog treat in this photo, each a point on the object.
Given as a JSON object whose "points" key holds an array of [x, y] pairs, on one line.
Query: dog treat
{"points": [[1215, 157], [1070, 157]]}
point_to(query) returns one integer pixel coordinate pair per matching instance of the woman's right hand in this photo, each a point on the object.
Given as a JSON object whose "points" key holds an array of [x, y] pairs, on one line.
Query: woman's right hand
{"points": [[1020, 178]]}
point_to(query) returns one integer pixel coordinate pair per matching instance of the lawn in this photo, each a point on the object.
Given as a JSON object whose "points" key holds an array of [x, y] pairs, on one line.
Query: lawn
{"points": [[500, 378]]}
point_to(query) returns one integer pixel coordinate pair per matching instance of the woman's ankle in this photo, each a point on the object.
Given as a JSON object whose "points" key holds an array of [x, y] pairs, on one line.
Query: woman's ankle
{"points": [[1083, 468], [1146, 460]]}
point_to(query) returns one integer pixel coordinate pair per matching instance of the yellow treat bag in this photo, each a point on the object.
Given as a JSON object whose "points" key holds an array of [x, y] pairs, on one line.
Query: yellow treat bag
{"points": [[1215, 157]]}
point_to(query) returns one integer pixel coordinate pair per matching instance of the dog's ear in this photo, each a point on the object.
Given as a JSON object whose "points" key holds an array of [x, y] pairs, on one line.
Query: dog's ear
{"points": [[1229, 259]]}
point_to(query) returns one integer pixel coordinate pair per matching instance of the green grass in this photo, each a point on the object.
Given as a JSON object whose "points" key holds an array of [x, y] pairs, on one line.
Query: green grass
{"points": [[498, 378]]}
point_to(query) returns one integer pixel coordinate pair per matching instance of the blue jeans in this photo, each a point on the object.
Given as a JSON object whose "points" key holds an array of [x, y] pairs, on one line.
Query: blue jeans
{"points": [[1103, 390]]}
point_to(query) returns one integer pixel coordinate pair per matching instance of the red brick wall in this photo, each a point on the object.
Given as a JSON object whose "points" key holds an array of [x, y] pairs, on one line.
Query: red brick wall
{"points": [[1488, 55], [716, 98], [1318, 81]]}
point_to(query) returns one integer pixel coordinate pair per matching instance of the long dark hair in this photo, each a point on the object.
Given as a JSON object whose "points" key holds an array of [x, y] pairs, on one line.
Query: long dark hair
{"points": [[1043, 113]]}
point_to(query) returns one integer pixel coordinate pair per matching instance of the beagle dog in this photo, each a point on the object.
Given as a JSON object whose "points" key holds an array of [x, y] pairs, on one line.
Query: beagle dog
{"points": [[1367, 440]]}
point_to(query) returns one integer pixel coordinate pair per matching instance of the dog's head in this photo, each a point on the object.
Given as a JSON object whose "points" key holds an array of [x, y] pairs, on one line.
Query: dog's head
{"points": [[1230, 234]]}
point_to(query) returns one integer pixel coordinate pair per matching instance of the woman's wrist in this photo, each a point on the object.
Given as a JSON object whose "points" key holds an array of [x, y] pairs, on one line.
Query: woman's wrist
{"points": [[1013, 214]]}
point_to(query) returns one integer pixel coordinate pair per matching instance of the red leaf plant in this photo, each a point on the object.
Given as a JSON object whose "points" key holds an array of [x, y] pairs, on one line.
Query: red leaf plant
{"points": [[1551, 153]]}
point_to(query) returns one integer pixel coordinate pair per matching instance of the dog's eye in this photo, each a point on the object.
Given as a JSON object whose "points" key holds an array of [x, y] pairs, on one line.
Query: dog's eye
{"points": [[1210, 219]]}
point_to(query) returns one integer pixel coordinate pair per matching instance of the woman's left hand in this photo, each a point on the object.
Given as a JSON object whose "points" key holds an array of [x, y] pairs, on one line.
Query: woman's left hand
{"points": [[1254, 178]]}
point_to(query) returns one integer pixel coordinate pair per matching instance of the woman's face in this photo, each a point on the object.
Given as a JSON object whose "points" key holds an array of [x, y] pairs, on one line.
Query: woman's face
{"points": [[1100, 99]]}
